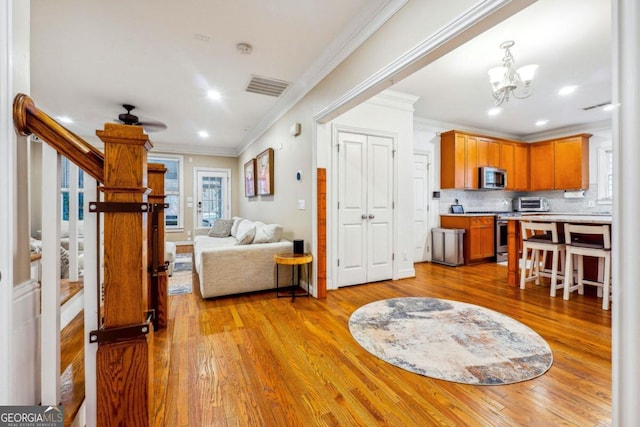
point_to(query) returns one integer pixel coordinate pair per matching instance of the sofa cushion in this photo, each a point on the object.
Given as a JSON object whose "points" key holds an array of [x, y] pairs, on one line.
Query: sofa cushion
{"points": [[221, 228], [245, 235], [267, 233], [234, 228]]}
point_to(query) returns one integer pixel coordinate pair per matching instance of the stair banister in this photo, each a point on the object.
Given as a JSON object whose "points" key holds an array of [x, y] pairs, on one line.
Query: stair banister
{"points": [[29, 119]]}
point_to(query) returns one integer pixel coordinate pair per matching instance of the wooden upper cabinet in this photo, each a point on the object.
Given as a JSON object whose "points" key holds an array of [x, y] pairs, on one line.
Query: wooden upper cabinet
{"points": [[471, 164], [488, 152], [514, 158], [458, 160], [541, 166], [561, 164], [572, 163]]}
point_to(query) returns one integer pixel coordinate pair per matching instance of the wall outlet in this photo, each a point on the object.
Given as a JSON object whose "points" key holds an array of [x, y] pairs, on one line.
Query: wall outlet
{"points": [[301, 205], [591, 204]]}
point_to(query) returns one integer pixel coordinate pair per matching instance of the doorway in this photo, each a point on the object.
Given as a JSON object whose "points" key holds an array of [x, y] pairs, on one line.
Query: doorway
{"points": [[212, 195], [365, 208], [421, 225]]}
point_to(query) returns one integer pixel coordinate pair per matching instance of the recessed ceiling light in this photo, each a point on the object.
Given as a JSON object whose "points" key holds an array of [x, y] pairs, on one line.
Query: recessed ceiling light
{"points": [[542, 122], [494, 111], [608, 107], [65, 119], [567, 90], [214, 94], [203, 134]]}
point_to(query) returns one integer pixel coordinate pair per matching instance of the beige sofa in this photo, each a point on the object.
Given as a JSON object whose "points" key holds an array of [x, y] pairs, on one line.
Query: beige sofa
{"points": [[232, 265]]}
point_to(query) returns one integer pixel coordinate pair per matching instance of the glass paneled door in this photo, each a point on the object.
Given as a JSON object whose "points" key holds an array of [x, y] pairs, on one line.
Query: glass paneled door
{"points": [[212, 196]]}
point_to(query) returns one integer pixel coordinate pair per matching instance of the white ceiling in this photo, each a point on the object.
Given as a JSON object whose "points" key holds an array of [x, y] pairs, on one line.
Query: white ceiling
{"points": [[570, 40], [89, 57]]}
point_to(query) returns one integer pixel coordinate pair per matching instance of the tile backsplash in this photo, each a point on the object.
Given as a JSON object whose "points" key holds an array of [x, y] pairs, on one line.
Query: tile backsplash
{"points": [[498, 200]]}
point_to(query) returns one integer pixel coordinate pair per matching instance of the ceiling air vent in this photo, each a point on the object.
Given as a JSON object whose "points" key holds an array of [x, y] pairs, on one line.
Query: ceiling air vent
{"points": [[266, 86], [593, 107]]}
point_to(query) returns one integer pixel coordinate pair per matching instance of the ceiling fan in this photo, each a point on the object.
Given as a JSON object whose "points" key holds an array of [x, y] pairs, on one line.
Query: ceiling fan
{"points": [[131, 119]]}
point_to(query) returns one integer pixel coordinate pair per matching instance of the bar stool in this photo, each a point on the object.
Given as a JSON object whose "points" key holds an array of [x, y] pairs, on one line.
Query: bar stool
{"points": [[594, 241], [540, 238]]}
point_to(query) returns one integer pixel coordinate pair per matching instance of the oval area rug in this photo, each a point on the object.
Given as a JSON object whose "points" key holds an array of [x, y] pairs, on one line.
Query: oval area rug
{"points": [[451, 340]]}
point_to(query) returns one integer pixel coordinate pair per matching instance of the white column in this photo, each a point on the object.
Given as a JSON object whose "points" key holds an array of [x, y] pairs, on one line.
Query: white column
{"points": [[626, 228], [7, 192], [50, 320], [73, 222], [91, 268]]}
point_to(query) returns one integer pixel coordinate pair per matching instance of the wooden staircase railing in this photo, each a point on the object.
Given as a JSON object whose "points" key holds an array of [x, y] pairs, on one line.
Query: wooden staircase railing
{"points": [[131, 258], [28, 119]]}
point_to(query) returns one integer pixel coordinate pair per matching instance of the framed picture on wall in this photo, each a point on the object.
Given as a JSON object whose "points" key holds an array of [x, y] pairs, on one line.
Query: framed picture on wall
{"points": [[265, 172], [250, 178]]}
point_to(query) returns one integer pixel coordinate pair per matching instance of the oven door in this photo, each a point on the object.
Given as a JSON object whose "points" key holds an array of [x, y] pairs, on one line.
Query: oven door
{"points": [[501, 240]]}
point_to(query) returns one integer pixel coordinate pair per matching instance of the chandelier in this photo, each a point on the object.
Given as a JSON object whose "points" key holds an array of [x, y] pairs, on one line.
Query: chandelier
{"points": [[508, 81]]}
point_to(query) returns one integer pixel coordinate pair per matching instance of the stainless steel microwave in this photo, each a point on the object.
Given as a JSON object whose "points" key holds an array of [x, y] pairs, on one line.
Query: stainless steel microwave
{"points": [[492, 178]]}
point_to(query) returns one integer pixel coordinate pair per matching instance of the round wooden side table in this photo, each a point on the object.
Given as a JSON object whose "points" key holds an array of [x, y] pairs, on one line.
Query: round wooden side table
{"points": [[295, 261]]}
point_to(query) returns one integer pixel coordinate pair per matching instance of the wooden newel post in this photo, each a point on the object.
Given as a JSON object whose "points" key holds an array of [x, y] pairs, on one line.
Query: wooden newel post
{"points": [[123, 369], [158, 296]]}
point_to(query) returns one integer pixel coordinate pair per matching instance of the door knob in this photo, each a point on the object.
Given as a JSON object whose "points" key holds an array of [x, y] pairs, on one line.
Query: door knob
{"points": [[363, 216], [371, 216]]}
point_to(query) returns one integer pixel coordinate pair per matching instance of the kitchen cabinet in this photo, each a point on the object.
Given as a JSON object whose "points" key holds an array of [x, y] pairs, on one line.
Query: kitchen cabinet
{"points": [[457, 151], [541, 166], [488, 153], [461, 154], [561, 164], [514, 158], [572, 163], [479, 236]]}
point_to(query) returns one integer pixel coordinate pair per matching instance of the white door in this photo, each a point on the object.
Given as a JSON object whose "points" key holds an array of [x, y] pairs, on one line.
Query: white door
{"points": [[365, 208], [212, 196], [421, 208]]}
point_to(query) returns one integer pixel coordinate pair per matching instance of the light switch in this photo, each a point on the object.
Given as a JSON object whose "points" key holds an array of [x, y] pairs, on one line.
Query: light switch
{"points": [[301, 204]]}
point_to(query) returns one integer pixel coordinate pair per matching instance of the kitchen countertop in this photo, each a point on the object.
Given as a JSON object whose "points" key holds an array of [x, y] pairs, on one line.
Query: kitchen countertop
{"points": [[473, 214], [561, 217]]}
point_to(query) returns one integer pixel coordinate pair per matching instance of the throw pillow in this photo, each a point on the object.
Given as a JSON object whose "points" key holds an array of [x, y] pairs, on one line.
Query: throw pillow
{"points": [[247, 235], [221, 228], [268, 233], [234, 228], [244, 225]]}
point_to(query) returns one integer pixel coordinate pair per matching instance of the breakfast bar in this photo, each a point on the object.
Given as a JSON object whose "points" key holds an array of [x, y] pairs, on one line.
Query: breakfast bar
{"points": [[514, 241]]}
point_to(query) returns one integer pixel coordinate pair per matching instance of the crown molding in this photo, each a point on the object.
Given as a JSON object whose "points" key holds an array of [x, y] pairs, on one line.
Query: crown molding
{"points": [[366, 24], [194, 149], [476, 19], [595, 128], [394, 99]]}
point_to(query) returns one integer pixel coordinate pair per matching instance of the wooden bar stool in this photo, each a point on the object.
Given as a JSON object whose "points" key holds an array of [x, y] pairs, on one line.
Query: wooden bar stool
{"points": [[594, 241], [538, 238]]}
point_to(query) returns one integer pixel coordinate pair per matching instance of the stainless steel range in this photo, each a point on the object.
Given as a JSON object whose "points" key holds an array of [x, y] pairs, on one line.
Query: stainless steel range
{"points": [[501, 234]]}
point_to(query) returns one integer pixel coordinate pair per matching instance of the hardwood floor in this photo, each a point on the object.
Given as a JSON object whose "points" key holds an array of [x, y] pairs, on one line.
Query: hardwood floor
{"points": [[257, 360]]}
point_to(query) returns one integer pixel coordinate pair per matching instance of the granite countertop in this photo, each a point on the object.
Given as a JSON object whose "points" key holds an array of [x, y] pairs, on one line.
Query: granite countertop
{"points": [[471, 214], [565, 217]]}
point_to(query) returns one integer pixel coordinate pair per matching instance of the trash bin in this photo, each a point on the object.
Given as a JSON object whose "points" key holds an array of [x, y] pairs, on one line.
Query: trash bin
{"points": [[448, 246]]}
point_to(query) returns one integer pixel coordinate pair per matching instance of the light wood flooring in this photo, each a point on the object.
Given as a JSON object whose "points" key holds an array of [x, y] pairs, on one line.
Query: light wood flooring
{"points": [[256, 360]]}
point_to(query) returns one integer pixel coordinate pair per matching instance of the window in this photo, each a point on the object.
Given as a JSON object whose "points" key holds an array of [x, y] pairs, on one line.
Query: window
{"points": [[66, 166], [212, 195], [605, 175], [173, 215]]}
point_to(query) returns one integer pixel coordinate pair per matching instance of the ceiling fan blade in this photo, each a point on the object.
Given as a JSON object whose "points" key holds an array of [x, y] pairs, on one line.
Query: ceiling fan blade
{"points": [[153, 126]]}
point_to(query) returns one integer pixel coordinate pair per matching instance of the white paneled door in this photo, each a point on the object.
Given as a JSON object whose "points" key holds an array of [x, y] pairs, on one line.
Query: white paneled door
{"points": [[365, 208], [421, 207]]}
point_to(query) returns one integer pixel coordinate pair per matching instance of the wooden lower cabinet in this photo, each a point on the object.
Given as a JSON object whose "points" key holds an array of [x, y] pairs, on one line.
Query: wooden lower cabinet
{"points": [[479, 236]]}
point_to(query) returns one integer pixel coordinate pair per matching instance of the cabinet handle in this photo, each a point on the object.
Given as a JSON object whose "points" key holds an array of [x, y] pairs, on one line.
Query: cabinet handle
{"points": [[371, 216]]}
